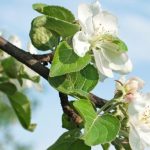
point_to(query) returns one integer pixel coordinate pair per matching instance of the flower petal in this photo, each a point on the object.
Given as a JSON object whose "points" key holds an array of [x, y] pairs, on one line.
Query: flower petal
{"points": [[15, 40], [80, 44], [102, 64], [118, 61], [134, 139], [144, 133], [105, 23], [85, 15], [135, 106], [135, 84]]}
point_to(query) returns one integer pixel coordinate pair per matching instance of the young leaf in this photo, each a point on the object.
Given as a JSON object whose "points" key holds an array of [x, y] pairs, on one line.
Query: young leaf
{"points": [[39, 7], [8, 88], [42, 38], [70, 141], [76, 83], [22, 74], [21, 106], [98, 129], [54, 11], [66, 61], [63, 28], [9, 66]]}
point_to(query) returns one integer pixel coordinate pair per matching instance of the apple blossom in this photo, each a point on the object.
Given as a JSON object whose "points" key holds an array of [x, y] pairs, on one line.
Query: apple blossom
{"points": [[15, 40], [139, 121], [130, 87], [138, 112], [99, 34]]}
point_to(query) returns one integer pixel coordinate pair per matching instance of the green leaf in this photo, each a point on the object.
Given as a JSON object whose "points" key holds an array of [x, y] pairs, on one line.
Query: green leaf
{"points": [[39, 7], [8, 88], [66, 61], [21, 106], [42, 38], [98, 129], [63, 28], [76, 83], [54, 11], [113, 43], [23, 74], [10, 67], [4, 79], [69, 141], [106, 146]]}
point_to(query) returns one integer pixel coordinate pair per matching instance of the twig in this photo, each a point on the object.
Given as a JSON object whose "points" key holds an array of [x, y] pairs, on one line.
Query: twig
{"points": [[99, 102], [68, 110], [44, 57]]}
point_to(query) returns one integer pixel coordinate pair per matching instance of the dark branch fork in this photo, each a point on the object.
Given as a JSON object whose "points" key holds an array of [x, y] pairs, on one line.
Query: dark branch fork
{"points": [[34, 62]]}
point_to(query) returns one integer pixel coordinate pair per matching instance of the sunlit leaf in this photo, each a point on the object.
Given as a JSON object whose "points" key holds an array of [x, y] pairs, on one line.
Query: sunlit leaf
{"points": [[98, 129], [70, 141], [21, 106], [76, 83], [66, 61], [54, 11]]}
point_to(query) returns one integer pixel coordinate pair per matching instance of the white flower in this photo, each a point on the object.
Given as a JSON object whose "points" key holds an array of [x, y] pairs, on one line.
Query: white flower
{"points": [[138, 112], [99, 29], [139, 121], [134, 84], [15, 40], [129, 87]]}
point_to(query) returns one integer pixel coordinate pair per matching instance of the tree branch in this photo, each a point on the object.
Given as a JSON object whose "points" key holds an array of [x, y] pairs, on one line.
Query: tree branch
{"points": [[24, 57], [68, 110], [34, 63], [99, 102], [44, 57]]}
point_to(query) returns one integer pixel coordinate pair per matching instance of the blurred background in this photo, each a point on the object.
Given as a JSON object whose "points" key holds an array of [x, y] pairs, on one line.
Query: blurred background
{"points": [[15, 19]]}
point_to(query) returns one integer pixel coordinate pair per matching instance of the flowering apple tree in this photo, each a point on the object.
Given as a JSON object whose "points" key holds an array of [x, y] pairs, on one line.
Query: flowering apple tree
{"points": [[81, 53]]}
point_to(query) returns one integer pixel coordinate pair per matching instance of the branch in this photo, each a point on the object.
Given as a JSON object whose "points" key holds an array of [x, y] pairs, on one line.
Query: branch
{"points": [[99, 102], [68, 110], [44, 57], [24, 57], [34, 63]]}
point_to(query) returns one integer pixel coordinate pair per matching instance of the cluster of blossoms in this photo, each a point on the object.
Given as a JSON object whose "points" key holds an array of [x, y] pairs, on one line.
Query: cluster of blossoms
{"points": [[97, 26], [138, 112], [98, 30]]}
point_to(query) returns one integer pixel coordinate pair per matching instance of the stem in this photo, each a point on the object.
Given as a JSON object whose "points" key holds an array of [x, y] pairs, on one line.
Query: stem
{"points": [[113, 106], [124, 134], [99, 102], [44, 58], [68, 110], [106, 105]]}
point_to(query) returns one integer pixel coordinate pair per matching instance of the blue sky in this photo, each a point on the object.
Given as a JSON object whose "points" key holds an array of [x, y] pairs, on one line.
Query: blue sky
{"points": [[134, 27]]}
